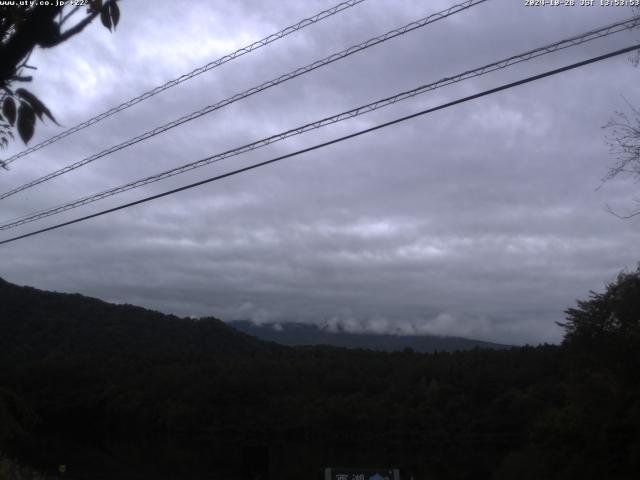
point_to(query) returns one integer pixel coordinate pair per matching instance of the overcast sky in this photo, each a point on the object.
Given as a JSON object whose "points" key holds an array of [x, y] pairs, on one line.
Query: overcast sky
{"points": [[481, 220]]}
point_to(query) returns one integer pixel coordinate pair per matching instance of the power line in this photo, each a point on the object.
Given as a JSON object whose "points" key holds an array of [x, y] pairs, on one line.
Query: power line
{"points": [[331, 142], [501, 64], [183, 78], [252, 91]]}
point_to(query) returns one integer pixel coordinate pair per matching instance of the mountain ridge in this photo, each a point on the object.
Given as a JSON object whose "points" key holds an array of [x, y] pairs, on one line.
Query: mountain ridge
{"points": [[295, 334], [34, 321], [50, 322]]}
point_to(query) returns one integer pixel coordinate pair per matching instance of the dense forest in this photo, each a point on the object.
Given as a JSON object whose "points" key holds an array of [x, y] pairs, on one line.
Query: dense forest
{"points": [[73, 363]]}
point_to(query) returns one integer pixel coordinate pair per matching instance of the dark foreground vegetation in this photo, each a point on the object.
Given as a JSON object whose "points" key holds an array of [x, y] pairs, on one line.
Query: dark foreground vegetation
{"points": [[74, 364]]}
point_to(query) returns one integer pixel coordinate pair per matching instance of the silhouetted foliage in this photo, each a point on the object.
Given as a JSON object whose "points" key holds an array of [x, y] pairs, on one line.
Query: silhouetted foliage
{"points": [[23, 27], [614, 313], [15, 417], [623, 139]]}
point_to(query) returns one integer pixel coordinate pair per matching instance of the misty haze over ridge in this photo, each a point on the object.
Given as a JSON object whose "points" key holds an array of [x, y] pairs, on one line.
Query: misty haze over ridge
{"points": [[77, 314], [298, 334], [33, 320]]}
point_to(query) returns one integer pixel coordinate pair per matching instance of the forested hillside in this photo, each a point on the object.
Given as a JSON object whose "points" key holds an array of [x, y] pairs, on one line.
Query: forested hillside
{"points": [[571, 411], [34, 323]]}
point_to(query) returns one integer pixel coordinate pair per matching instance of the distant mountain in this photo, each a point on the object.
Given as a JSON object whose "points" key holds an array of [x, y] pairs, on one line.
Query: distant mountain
{"points": [[36, 323], [298, 334]]}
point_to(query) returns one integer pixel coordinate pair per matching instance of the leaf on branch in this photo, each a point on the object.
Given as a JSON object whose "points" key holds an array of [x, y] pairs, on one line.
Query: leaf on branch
{"points": [[114, 10], [39, 108], [95, 6], [9, 110], [105, 18], [26, 121]]}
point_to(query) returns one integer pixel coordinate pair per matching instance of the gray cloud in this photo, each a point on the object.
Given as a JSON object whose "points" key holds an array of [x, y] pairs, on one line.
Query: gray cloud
{"points": [[481, 220]]}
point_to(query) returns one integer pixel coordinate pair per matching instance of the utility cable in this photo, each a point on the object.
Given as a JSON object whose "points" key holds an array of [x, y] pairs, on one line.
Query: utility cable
{"points": [[252, 91], [183, 78], [331, 142], [562, 44]]}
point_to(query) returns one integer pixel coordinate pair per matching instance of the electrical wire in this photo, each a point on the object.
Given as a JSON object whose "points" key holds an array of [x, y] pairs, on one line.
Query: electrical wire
{"points": [[331, 142], [183, 78], [252, 91], [501, 64]]}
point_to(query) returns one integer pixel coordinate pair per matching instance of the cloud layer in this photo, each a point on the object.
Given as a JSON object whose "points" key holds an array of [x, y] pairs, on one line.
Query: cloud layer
{"points": [[481, 220]]}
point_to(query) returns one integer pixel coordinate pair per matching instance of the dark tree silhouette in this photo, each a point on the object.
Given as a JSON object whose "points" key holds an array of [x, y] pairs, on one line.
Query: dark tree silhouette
{"points": [[623, 138], [23, 28], [614, 313], [15, 416]]}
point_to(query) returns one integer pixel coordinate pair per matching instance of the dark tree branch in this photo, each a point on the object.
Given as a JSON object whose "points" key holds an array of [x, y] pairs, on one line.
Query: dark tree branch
{"points": [[30, 25], [36, 26], [623, 139], [78, 27], [620, 216], [68, 15]]}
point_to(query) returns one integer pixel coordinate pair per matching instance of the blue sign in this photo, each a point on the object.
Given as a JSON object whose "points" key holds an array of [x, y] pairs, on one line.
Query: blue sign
{"points": [[361, 474]]}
